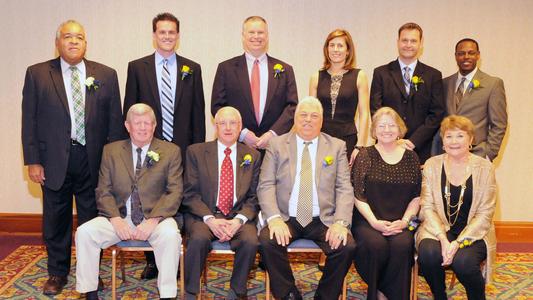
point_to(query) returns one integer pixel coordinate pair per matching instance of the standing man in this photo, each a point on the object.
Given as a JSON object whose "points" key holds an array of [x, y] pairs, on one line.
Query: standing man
{"points": [[70, 110], [220, 202], [139, 191], [412, 89], [260, 87], [305, 192], [479, 97], [172, 86]]}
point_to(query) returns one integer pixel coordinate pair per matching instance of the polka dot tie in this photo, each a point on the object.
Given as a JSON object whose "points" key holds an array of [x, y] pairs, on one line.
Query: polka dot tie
{"points": [[225, 194]]}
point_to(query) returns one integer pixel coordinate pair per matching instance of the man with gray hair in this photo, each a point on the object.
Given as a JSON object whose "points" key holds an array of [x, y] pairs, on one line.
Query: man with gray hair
{"points": [[70, 110], [305, 192], [139, 191]]}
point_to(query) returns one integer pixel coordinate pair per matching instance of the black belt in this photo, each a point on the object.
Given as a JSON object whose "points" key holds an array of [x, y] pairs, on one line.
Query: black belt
{"points": [[75, 143]]}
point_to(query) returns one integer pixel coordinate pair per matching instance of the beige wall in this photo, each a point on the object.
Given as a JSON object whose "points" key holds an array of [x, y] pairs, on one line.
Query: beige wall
{"points": [[120, 30]]}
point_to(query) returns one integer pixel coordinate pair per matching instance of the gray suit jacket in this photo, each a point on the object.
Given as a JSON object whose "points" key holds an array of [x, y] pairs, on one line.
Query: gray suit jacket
{"points": [[335, 192], [485, 106], [160, 183]]}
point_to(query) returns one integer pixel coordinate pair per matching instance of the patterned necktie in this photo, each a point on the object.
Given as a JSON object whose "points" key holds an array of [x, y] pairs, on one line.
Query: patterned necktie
{"points": [[79, 105], [167, 103], [256, 82], [304, 212], [459, 93], [136, 208], [407, 79], [225, 195]]}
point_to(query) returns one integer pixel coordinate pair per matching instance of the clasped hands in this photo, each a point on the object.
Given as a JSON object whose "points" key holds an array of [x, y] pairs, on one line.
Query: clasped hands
{"points": [[448, 250], [255, 142], [223, 229], [141, 232], [388, 228]]}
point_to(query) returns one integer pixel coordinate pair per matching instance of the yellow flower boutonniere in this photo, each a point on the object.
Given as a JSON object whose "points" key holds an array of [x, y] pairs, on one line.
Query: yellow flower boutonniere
{"points": [[465, 243], [185, 71], [153, 157], [246, 160], [328, 160], [413, 223], [474, 84], [415, 81], [278, 69], [92, 83]]}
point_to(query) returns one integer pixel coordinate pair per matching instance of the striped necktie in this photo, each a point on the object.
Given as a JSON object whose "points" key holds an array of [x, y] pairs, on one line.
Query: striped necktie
{"points": [[304, 210], [407, 79], [167, 103], [459, 93], [78, 104]]}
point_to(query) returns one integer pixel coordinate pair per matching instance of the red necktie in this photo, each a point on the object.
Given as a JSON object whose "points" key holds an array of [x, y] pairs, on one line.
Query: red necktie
{"points": [[225, 195], [256, 81]]}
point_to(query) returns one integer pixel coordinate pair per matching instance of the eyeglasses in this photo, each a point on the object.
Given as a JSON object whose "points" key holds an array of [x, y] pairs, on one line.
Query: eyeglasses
{"points": [[382, 126], [232, 124], [313, 116]]}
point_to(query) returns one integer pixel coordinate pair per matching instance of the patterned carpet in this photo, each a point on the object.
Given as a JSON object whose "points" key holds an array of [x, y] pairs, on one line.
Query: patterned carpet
{"points": [[23, 273]]}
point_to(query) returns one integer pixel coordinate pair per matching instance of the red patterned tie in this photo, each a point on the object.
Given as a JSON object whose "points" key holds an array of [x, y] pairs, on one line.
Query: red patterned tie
{"points": [[225, 195], [256, 81]]}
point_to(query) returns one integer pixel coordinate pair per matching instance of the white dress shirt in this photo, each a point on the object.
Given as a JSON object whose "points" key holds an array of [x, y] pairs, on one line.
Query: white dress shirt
{"points": [[468, 78]]}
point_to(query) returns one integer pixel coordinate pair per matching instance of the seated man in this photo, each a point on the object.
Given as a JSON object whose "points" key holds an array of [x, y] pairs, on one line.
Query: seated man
{"points": [[139, 191], [220, 202], [305, 192]]}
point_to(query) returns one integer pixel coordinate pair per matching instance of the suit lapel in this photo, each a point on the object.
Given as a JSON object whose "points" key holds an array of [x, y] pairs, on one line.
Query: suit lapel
{"points": [[151, 75], [321, 152], [91, 94], [57, 79], [450, 99], [239, 172], [272, 84], [211, 161], [293, 155], [241, 71], [179, 82], [127, 158], [396, 74], [154, 146], [419, 72]]}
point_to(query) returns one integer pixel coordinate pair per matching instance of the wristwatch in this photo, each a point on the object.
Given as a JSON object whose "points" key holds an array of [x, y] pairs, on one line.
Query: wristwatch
{"points": [[343, 223]]}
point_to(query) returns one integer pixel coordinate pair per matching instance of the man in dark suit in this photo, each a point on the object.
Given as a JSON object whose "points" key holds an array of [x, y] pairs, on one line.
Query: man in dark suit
{"points": [[220, 202], [481, 98], [260, 87], [139, 191], [70, 109], [411, 88], [172, 86], [305, 192]]}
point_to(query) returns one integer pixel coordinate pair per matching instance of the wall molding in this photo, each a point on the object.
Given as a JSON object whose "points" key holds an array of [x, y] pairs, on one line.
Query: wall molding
{"points": [[19, 223]]}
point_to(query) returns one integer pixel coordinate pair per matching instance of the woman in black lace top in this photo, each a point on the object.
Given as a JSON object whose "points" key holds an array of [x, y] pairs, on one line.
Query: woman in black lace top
{"points": [[386, 179]]}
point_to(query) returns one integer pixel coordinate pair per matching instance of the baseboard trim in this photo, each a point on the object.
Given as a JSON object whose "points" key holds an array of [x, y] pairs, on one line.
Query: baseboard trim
{"points": [[13, 223]]}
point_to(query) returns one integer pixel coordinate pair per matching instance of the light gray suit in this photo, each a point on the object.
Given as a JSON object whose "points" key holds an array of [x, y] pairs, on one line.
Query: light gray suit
{"points": [[485, 106]]}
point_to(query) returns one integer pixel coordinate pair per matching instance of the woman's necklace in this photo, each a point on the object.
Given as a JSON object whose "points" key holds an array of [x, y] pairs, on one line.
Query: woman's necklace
{"points": [[447, 193]]}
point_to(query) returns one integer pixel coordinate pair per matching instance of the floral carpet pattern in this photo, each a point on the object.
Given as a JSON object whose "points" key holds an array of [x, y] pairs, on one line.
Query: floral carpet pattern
{"points": [[23, 274]]}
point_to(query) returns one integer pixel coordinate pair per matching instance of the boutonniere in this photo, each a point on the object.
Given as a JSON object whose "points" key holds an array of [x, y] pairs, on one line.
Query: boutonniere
{"points": [[153, 157], [185, 71], [278, 69], [465, 242], [246, 160], [474, 84], [415, 81], [328, 160], [413, 223], [92, 83]]}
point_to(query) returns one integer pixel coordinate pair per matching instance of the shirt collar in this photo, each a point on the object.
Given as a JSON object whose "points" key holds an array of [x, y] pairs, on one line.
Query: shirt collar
{"points": [[468, 76], [159, 59], [299, 140], [144, 148], [222, 147], [65, 66], [250, 58], [411, 66]]}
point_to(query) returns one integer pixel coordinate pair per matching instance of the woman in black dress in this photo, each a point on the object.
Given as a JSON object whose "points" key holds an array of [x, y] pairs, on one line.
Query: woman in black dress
{"points": [[342, 89], [386, 179]]}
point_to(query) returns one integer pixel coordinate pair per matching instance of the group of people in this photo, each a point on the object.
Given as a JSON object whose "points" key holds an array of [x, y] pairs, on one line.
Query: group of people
{"points": [[145, 172]]}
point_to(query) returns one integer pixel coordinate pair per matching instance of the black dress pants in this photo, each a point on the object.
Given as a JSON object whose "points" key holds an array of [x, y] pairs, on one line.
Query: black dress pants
{"points": [[276, 260]]}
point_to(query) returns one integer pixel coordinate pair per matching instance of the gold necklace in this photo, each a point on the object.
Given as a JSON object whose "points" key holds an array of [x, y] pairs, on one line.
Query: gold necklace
{"points": [[449, 206]]}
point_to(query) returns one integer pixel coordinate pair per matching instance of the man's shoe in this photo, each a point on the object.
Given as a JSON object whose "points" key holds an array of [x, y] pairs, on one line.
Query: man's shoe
{"points": [[93, 295], [294, 294], [189, 296], [54, 285], [149, 272]]}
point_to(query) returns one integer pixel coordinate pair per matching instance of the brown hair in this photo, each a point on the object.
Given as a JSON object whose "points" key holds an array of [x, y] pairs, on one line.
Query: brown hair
{"points": [[165, 17], [350, 60], [456, 122], [410, 26], [387, 111]]}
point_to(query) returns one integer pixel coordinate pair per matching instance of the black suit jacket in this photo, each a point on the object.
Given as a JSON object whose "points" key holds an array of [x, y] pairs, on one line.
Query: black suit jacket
{"points": [[201, 182], [189, 104], [232, 88], [422, 110], [46, 125]]}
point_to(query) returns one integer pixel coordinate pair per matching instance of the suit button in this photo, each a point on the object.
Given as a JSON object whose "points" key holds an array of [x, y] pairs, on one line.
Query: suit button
{"points": [[404, 101], [405, 118]]}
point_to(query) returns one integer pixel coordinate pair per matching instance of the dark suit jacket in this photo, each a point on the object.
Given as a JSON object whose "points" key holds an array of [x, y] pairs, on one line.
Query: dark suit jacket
{"points": [[160, 184], [232, 88], [46, 126], [278, 172], [189, 104], [486, 107], [422, 110], [201, 182]]}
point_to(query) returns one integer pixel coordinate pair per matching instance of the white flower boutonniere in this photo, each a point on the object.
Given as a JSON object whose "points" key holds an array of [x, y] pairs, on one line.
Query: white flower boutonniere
{"points": [[153, 157], [92, 83]]}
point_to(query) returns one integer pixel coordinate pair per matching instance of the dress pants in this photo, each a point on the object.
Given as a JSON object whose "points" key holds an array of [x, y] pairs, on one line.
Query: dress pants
{"points": [[384, 262], [57, 210], [99, 234], [465, 264], [276, 260], [244, 243]]}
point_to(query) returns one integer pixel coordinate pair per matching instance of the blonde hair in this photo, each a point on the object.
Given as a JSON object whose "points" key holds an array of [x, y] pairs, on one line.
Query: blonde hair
{"points": [[387, 111], [457, 122]]}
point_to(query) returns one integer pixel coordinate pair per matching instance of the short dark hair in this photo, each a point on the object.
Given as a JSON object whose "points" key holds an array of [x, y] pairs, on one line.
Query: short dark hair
{"points": [[467, 40], [410, 26], [165, 17]]}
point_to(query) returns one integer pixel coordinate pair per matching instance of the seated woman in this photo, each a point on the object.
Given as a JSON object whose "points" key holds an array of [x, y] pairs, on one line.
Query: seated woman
{"points": [[458, 200], [386, 179]]}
